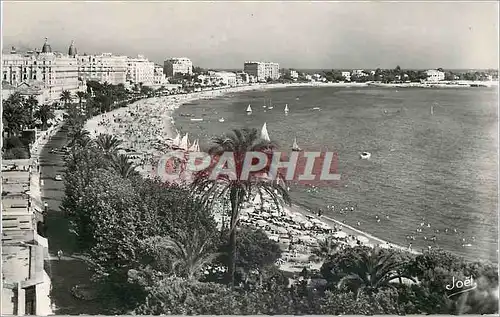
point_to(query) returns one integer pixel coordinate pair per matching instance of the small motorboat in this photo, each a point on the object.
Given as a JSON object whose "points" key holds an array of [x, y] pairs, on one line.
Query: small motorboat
{"points": [[221, 120], [316, 108], [365, 155], [196, 119]]}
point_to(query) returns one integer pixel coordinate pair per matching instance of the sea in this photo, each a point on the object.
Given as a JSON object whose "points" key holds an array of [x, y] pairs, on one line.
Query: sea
{"points": [[433, 165]]}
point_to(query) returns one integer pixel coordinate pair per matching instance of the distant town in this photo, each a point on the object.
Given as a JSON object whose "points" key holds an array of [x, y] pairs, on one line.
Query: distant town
{"points": [[45, 74]]}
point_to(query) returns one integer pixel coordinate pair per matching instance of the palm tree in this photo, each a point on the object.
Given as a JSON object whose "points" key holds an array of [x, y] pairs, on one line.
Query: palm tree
{"points": [[123, 166], [326, 247], [66, 97], [108, 143], [44, 114], [234, 189], [32, 103], [80, 95], [373, 270], [79, 136], [189, 252], [14, 115]]}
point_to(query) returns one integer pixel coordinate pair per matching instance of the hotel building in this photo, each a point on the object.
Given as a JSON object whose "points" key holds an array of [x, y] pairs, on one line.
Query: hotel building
{"points": [[140, 70], [103, 68], [262, 70], [177, 65], [50, 71]]}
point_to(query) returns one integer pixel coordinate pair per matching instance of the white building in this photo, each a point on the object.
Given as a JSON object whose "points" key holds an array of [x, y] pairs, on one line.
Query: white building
{"points": [[242, 78], [140, 70], [434, 75], [177, 65], [262, 70], [294, 74], [346, 75], [50, 71], [102, 68], [159, 79], [359, 73]]}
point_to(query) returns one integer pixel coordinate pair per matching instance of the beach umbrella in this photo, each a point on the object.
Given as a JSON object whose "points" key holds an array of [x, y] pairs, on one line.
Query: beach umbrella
{"points": [[340, 234]]}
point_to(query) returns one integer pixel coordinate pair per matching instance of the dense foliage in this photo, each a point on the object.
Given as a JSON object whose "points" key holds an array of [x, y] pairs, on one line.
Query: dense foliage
{"points": [[152, 243]]}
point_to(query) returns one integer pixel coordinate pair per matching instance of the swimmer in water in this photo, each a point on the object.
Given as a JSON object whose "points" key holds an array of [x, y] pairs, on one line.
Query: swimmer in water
{"points": [[358, 223]]}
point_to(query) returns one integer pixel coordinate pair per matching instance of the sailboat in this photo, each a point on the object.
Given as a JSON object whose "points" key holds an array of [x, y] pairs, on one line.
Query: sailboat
{"points": [[295, 146], [264, 134], [184, 142], [286, 108], [249, 109], [194, 147], [432, 109], [270, 105], [177, 141]]}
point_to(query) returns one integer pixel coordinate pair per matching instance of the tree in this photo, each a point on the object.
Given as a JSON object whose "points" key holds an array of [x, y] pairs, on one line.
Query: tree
{"points": [[189, 251], [32, 104], [66, 97], [78, 136], [372, 271], [122, 165], [44, 114], [326, 247], [254, 250], [14, 116], [109, 144], [236, 189]]}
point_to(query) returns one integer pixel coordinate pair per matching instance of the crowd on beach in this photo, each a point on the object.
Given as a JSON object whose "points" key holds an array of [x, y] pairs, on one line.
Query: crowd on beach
{"points": [[146, 130]]}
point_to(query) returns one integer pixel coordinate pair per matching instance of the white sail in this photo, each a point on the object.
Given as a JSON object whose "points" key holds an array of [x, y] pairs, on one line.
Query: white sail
{"points": [[177, 140], [432, 110], [184, 142], [295, 145], [192, 148], [249, 109], [264, 134], [286, 108]]}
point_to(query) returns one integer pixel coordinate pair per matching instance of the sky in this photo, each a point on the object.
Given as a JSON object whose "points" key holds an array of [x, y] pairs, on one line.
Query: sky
{"points": [[303, 35]]}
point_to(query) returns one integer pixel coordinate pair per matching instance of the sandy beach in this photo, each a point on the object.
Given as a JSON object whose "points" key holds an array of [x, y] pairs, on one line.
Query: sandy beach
{"points": [[146, 127]]}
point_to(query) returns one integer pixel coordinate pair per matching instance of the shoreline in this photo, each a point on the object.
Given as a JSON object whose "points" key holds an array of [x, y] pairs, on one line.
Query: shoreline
{"points": [[161, 109]]}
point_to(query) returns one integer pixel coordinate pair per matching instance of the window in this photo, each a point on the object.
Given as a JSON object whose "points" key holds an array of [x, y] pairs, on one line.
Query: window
{"points": [[4, 75]]}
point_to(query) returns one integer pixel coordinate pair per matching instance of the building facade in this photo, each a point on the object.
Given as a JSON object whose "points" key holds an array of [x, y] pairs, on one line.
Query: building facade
{"points": [[159, 78], [434, 75], [103, 68], [262, 70], [177, 65], [26, 285], [47, 70], [140, 70]]}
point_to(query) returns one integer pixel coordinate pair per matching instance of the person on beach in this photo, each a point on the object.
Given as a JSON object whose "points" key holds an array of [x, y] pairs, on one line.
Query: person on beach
{"points": [[59, 254]]}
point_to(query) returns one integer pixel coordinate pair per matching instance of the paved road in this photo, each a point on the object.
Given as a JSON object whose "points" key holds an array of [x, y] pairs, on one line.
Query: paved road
{"points": [[72, 269]]}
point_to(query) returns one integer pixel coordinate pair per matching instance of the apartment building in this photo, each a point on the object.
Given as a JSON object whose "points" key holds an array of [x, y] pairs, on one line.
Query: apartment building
{"points": [[26, 285], [262, 70], [140, 70], [105, 67], [177, 65]]}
